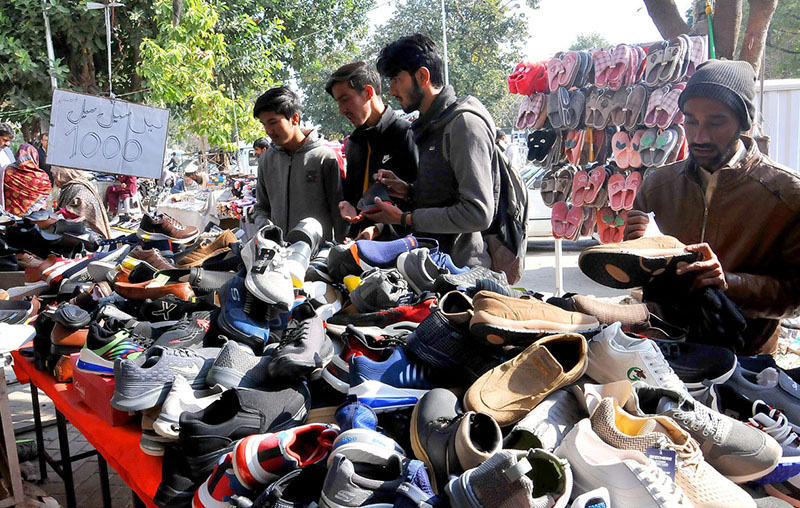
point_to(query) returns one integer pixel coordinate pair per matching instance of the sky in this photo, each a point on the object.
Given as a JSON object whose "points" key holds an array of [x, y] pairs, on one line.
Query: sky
{"points": [[555, 24]]}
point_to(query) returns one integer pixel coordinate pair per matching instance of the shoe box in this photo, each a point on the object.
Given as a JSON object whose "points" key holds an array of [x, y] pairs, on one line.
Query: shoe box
{"points": [[96, 392]]}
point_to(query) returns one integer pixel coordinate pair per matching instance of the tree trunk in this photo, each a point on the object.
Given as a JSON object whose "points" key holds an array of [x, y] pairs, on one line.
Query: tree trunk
{"points": [[755, 35], [727, 24], [665, 15]]}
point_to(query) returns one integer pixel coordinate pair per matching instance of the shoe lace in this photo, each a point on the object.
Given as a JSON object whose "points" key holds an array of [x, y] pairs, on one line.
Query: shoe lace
{"points": [[702, 420], [782, 431], [689, 453], [666, 376], [172, 222], [659, 484], [295, 334]]}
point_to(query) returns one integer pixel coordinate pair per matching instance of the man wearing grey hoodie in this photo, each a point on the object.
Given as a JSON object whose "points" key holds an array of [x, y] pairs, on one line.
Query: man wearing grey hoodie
{"points": [[454, 196], [300, 176]]}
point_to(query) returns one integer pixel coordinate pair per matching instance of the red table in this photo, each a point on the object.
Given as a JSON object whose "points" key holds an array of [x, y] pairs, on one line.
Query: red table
{"points": [[119, 446]]}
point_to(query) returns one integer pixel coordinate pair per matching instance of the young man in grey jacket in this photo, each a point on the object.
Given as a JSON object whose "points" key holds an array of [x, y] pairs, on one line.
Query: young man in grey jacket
{"points": [[457, 185], [300, 176]]}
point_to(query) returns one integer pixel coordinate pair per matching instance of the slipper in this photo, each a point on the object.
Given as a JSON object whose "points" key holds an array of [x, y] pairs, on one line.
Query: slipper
{"points": [[533, 79], [681, 71], [618, 227], [584, 62], [541, 118], [673, 157], [573, 113], [604, 106], [522, 115], [535, 107], [620, 59], [618, 107], [574, 145], [616, 188], [555, 68], [555, 155], [599, 143], [635, 158], [602, 64], [654, 104], [655, 58], [514, 76], [647, 147], [575, 218], [597, 177], [635, 104], [592, 108], [664, 145], [632, 184], [556, 102], [668, 109], [548, 188], [589, 221], [642, 64], [558, 219], [539, 144], [672, 58], [571, 62], [633, 67], [564, 183], [619, 146], [699, 53], [605, 218], [580, 186]]}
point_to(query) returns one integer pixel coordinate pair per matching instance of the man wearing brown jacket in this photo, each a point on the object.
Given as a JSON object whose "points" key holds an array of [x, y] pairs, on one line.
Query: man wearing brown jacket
{"points": [[732, 204]]}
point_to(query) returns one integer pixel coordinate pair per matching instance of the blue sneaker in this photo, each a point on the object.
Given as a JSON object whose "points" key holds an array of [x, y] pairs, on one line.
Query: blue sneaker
{"points": [[393, 384], [443, 260], [373, 253], [234, 322], [355, 415]]}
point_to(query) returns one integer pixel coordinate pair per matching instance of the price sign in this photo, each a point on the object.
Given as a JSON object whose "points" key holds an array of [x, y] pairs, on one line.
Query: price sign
{"points": [[107, 135]]}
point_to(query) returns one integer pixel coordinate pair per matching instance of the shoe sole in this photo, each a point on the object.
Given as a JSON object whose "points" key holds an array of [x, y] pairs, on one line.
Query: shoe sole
{"points": [[155, 450], [164, 428], [785, 469], [140, 402], [696, 387], [384, 398], [227, 377], [363, 446], [335, 383], [498, 335], [419, 450], [250, 285], [154, 237], [91, 362], [626, 270]]}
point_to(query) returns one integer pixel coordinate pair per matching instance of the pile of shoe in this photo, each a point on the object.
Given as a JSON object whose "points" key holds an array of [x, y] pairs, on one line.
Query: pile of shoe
{"points": [[289, 372]]}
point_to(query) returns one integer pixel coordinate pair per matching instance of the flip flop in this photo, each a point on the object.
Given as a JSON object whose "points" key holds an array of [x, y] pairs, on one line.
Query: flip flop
{"points": [[589, 221], [647, 147], [597, 177], [664, 145], [616, 188], [580, 186], [637, 98], [655, 58], [575, 109], [632, 184], [619, 145], [635, 159], [575, 218], [558, 219]]}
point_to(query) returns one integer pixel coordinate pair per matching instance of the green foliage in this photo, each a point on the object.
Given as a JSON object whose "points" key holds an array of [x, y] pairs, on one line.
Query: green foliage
{"points": [[592, 40], [783, 42]]}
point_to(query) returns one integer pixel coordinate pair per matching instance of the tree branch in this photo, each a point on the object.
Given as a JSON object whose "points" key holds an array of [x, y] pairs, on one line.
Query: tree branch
{"points": [[755, 35], [666, 17], [727, 24]]}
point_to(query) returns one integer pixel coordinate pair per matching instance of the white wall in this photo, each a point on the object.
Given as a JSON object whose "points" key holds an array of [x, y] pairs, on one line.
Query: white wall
{"points": [[781, 120]]}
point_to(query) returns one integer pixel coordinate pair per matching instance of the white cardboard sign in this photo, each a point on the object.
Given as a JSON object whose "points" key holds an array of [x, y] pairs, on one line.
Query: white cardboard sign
{"points": [[107, 135]]}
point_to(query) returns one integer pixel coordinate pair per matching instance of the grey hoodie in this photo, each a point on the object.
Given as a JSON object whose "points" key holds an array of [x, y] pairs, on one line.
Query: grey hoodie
{"points": [[457, 180], [295, 185]]}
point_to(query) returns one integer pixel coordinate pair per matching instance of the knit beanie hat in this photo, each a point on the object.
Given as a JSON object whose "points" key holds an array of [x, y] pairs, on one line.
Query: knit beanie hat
{"points": [[731, 82]]}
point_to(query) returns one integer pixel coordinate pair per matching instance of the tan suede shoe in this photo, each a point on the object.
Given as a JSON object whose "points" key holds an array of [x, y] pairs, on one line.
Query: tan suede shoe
{"points": [[218, 246], [507, 320], [511, 390]]}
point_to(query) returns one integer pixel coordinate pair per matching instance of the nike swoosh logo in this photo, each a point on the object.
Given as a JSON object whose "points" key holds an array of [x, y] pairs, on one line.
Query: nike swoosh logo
{"points": [[190, 371]]}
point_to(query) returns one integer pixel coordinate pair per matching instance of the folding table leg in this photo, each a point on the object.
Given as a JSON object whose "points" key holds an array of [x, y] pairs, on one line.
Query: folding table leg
{"points": [[37, 422], [137, 503], [66, 463], [102, 466]]}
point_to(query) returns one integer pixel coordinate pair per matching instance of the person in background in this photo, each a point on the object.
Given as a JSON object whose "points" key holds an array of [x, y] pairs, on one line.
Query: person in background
{"points": [[381, 139], [196, 179], [79, 197], [117, 193], [299, 177], [41, 147], [25, 185], [509, 149], [260, 146], [6, 154]]}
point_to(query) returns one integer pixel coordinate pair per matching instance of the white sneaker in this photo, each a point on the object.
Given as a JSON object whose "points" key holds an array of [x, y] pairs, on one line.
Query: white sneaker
{"points": [[182, 398], [268, 276], [614, 356], [631, 478], [703, 485]]}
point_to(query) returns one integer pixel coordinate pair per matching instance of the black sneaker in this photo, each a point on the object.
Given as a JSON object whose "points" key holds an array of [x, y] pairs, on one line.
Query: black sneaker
{"points": [[171, 308], [304, 349], [189, 332], [697, 364], [299, 489]]}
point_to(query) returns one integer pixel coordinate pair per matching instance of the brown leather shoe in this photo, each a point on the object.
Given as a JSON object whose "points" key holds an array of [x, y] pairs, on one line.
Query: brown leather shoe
{"points": [[35, 274], [164, 227], [507, 320], [26, 260], [63, 336], [143, 291], [152, 257], [205, 251], [63, 370]]}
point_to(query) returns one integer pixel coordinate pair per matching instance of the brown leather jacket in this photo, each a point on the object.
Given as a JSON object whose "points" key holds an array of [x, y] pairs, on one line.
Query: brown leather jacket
{"points": [[751, 221]]}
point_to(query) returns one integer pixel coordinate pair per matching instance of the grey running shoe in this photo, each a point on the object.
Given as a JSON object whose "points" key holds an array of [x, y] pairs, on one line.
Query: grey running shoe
{"points": [[448, 282], [182, 398], [740, 452], [547, 424], [144, 382], [304, 349], [785, 395], [447, 442], [268, 277], [419, 269], [237, 365], [522, 479], [379, 289]]}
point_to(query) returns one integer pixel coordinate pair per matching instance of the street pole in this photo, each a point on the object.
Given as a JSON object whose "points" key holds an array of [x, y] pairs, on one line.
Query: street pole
{"points": [[444, 43], [51, 57], [235, 123]]}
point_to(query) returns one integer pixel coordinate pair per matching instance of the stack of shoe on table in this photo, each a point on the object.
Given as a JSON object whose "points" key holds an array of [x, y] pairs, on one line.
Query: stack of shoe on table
{"points": [[286, 371]]}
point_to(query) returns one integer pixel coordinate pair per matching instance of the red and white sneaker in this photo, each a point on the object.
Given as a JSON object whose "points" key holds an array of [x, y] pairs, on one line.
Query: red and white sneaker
{"points": [[404, 316], [355, 342], [218, 488], [261, 459]]}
